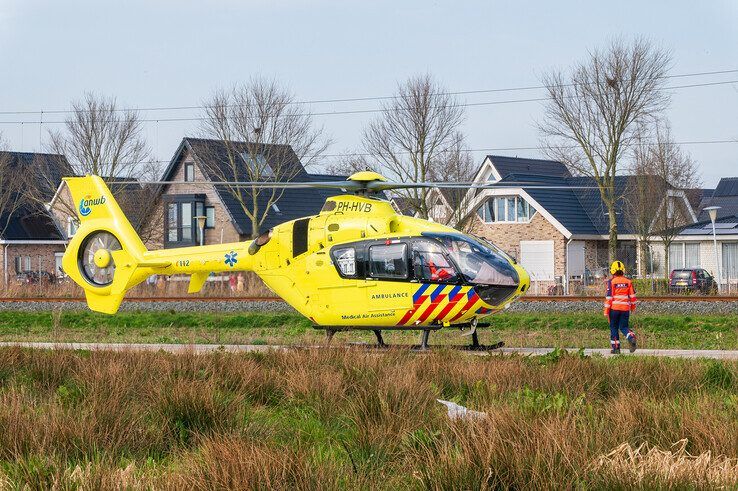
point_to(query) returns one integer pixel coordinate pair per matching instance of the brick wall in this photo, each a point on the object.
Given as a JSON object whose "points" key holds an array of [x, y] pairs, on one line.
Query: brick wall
{"points": [[63, 210], [45, 252], [507, 236], [223, 224]]}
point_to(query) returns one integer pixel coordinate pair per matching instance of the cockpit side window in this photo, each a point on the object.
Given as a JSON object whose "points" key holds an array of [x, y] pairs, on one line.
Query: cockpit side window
{"points": [[477, 263], [431, 264], [388, 261], [345, 260]]}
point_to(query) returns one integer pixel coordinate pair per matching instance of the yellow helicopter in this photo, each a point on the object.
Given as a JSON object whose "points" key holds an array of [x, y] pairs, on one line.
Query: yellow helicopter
{"points": [[358, 264]]}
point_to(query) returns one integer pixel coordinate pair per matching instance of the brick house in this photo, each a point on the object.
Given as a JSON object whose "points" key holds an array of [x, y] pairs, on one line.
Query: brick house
{"points": [[694, 246], [553, 223], [31, 243], [226, 220]]}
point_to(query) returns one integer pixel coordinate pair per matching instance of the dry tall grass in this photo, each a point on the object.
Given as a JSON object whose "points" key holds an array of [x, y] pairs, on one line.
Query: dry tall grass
{"points": [[172, 286], [327, 419]]}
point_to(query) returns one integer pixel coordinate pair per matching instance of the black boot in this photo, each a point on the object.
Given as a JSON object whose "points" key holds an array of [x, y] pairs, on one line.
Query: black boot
{"points": [[632, 344]]}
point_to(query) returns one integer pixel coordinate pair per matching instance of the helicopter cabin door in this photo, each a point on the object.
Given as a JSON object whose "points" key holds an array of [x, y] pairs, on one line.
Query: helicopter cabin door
{"points": [[389, 288]]}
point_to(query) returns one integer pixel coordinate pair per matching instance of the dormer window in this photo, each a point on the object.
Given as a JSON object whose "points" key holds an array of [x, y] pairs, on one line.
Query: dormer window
{"points": [[506, 209], [189, 172], [257, 165]]}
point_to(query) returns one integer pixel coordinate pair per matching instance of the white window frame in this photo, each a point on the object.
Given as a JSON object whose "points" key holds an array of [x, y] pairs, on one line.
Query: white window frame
{"points": [[208, 223], [682, 246], [58, 271], [501, 215], [189, 165], [72, 226]]}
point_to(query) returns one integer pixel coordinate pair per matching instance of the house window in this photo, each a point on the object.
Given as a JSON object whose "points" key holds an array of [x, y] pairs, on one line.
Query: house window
{"points": [[72, 226], [189, 173], [23, 264], [58, 270], [730, 261], [181, 224], [172, 222], [210, 217], [509, 209], [388, 261], [186, 222], [275, 208], [257, 165], [684, 255]]}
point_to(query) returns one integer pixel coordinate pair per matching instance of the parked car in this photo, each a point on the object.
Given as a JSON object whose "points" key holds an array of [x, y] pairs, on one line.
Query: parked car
{"points": [[691, 280]]}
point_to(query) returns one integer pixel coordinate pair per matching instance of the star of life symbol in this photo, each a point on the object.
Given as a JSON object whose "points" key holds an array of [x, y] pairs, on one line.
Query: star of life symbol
{"points": [[230, 258]]}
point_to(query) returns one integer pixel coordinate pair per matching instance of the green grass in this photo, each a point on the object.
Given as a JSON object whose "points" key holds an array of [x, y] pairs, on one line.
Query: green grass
{"points": [[579, 330], [352, 419]]}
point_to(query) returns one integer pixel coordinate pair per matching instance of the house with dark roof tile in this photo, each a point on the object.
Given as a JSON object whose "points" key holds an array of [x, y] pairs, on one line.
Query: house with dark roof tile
{"points": [[31, 243], [553, 223], [694, 246], [195, 164], [725, 195]]}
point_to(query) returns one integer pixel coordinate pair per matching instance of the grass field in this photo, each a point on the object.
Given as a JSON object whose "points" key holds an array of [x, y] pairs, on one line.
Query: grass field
{"points": [[351, 419], [516, 329]]}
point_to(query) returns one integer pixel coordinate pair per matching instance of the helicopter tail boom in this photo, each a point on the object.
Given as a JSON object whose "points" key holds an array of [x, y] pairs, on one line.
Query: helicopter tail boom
{"points": [[106, 257]]}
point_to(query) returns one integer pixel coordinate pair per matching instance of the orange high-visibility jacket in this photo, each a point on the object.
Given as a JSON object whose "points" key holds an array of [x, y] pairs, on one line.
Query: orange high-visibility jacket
{"points": [[620, 295]]}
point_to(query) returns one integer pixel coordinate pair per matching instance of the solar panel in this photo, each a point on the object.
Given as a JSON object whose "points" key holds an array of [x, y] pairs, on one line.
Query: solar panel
{"points": [[725, 225]]}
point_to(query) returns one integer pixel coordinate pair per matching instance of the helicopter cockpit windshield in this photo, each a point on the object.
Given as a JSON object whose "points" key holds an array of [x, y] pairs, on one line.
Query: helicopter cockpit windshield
{"points": [[478, 263]]}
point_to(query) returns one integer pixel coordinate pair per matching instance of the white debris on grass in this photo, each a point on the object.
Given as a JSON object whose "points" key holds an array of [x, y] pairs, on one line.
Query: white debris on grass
{"points": [[456, 411]]}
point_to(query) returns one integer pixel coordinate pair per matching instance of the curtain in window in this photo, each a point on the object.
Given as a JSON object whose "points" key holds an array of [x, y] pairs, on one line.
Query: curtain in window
{"points": [[676, 256], [691, 254], [730, 261]]}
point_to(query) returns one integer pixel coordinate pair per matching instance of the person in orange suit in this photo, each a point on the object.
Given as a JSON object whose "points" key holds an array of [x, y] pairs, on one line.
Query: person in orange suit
{"points": [[620, 301]]}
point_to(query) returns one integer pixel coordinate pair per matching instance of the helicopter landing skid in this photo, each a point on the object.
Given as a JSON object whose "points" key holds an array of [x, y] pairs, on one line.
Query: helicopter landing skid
{"points": [[425, 335]]}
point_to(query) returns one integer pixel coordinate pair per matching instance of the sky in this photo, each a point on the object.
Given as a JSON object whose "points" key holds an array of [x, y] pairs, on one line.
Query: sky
{"points": [[166, 53]]}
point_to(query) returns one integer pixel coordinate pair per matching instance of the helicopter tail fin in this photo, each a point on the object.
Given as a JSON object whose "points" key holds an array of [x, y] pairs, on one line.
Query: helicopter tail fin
{"points": [[106, 255]]}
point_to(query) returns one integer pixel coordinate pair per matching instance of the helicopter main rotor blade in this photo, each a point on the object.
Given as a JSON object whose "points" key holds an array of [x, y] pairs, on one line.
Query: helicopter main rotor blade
{"points": [[376, 186], [359, 186]]}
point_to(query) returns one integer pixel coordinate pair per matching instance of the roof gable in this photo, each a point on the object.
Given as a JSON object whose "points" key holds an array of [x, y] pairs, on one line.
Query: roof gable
{"points": [[531, 167], [292, 204]]}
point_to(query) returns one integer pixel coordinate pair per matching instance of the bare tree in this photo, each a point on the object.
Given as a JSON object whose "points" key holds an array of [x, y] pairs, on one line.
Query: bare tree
{"points": [[457, 166], [100, 139], [675, 171], [642, 198], [263, 135], [416, 135], [594, 110], [349, 164]]}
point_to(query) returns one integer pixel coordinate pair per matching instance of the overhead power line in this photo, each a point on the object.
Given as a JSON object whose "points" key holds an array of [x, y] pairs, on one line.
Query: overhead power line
{"points": [[471, 150], [370, 111], [364, 99]]}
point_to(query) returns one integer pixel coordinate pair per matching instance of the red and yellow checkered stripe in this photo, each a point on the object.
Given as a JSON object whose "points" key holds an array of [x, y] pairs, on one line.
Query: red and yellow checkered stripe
{"points": [[442, 303]]}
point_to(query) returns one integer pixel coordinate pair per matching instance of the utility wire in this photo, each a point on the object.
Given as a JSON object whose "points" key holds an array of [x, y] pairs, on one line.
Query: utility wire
{"points": [[370, 111], [471, 150], [358, 99]]}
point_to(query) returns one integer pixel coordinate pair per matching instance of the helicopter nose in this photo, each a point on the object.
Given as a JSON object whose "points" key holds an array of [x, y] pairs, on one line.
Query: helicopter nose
{"points": [[523, 280]]}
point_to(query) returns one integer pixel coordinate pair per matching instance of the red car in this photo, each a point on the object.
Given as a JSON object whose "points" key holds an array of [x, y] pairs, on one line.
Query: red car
{"points": [[691, 280]]}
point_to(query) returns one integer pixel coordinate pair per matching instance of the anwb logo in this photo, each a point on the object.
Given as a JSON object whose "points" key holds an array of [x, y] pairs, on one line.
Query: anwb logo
{"points": [[86, 204]]}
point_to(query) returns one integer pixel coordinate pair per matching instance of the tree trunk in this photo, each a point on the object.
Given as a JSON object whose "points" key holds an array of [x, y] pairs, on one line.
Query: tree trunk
{"points": [[667, 268], [643, 258], [613, 241]]}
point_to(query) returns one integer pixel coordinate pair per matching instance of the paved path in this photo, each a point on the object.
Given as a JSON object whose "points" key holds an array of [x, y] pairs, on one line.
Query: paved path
{"points": [[246, 348]]}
